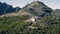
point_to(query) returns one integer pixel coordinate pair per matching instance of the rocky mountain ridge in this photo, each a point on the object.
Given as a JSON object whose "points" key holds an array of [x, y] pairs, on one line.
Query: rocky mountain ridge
{"points": [[6, 8]]}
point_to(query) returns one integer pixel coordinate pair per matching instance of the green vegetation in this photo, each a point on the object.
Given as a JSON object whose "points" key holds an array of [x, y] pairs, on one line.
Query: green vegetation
{"points": [[19, 22], [47, 25], [16, 25], [10, 25]]}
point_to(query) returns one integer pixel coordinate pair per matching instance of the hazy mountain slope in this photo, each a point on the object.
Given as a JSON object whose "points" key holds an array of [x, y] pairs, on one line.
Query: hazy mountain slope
{"points": [[5, 8]]}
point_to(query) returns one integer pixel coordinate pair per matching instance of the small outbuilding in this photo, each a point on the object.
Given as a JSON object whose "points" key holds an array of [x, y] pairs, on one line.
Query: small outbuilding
{"points": [[33, 19]]}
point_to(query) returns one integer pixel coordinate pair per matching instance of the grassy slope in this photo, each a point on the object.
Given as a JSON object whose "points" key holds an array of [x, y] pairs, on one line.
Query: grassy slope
{"points": [[16, 25], [10, 23]]}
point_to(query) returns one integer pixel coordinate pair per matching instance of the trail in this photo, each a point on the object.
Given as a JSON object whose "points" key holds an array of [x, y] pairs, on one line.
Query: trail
{"points": [[32, 24]]}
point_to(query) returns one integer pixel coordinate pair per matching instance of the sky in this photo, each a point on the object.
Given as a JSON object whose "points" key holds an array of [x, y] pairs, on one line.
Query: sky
{"points": [[54, 4]]}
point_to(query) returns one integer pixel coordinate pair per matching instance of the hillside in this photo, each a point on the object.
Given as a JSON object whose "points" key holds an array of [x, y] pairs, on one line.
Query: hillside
{"points": [[34, 18], [19, 25]]}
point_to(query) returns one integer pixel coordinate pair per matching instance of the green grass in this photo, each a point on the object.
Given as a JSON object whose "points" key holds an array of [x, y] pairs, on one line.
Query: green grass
{"points": [[16, 25]]}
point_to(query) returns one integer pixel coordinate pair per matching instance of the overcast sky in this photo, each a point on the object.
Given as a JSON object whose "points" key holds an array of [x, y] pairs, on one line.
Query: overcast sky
{"points": [[54, 4]]}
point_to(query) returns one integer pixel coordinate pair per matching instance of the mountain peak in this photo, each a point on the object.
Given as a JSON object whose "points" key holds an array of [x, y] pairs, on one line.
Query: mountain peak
{"points": [[38, 8], [36, 4]]}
